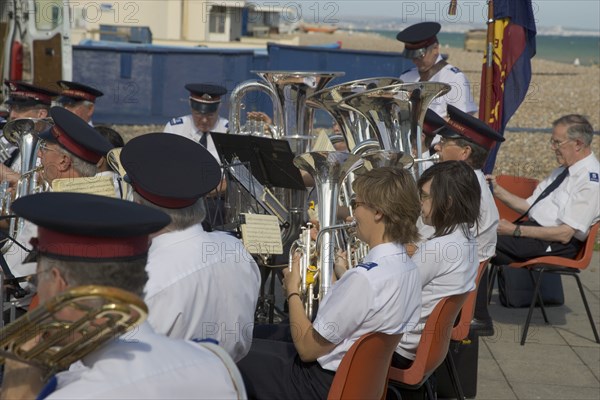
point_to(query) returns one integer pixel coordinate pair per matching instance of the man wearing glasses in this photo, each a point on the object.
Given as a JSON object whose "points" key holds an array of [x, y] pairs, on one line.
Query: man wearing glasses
{"points": [[563, 206], [24, 101], [422, 47], [70, 149]]}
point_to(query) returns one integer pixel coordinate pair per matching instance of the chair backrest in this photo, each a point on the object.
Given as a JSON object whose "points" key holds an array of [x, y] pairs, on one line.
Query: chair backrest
{"points": [[517, 185], [461, 328], [363, 372], [434, 342], [581, 261]]}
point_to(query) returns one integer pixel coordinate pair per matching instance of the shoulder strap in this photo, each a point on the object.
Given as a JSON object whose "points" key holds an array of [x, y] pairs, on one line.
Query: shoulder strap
{"points": [[234, 372], [434, 70]]}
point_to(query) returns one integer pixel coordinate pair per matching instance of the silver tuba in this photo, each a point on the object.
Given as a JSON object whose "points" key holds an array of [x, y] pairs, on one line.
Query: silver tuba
{"points": [[288, 91], [23, 132]]}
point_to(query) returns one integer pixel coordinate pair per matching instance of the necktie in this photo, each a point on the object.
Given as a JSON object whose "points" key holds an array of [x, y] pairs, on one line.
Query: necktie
{"points": [[556, 183], [204, 139]]}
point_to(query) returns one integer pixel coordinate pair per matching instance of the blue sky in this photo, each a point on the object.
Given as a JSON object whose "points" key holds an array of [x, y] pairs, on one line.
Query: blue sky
{"points": [[584, 14]]}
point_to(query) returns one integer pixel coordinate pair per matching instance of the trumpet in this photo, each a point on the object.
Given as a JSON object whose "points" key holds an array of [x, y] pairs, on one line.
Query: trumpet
{"points": [[106, 313], [434, 158]]}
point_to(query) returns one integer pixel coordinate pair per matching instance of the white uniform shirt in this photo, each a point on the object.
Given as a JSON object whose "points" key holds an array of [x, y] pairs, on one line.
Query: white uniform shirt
{"points": [[460, 92], [447, 266], [144, 365], [184, 126], [487, 228], [382, 294], [203, 285], [486, 233], [575, 202], [15, 255]]}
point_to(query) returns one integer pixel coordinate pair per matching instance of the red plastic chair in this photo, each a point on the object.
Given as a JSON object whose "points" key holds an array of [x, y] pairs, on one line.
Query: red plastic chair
{"points": [[363, 372], [561, 266], [433, 346], [517, 185], [460, 332]]}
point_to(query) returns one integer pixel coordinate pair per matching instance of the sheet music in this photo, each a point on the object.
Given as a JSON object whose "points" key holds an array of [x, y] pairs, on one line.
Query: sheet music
{"points": [[323, 143], [261, 234], [98, 185]]}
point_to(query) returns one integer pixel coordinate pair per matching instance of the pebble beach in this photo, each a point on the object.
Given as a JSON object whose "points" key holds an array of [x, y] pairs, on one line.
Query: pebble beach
{"points": [[556, 89]]}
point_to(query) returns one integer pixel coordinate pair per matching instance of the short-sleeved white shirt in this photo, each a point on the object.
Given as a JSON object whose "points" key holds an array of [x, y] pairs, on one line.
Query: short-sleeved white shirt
{"points": [[382, 294], [202, 285], [460, 92], [576, 200], [447, 266], [486, 230], [144, 365], [184, 126]]}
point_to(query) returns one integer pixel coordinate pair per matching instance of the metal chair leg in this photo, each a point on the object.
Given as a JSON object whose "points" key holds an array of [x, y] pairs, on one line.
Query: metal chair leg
{"points": [[538, 299], [531, 307], [587, 307], [431, 395], [453, 374], [493, 274]]}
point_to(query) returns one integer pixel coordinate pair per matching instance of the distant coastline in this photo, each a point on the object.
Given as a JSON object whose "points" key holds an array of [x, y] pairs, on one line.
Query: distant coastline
{"points": [[560, 48]]}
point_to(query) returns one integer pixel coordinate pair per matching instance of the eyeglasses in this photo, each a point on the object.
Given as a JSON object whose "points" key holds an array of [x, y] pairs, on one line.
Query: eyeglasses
{"points": [[419, 54], [556, 143], [44, 147], [354, 204], [448, 142]]}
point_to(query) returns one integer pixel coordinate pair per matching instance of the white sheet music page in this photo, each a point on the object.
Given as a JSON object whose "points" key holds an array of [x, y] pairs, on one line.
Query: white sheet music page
{"points": [[261, 234]]}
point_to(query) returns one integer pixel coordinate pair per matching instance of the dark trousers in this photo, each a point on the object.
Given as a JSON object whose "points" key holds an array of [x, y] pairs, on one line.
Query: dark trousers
{"points": [[273, 370], [510, 249]]}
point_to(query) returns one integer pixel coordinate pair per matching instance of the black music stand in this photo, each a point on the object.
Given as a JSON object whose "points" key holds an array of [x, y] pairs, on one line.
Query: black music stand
{"points": [[271, 161]]}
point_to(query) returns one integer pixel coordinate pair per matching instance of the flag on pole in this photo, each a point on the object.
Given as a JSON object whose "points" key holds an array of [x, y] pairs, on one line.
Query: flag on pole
{"points": [[506, 69]]}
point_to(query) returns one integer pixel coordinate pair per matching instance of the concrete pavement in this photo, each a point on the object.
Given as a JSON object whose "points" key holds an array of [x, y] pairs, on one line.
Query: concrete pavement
{"points": [[560, 360]]}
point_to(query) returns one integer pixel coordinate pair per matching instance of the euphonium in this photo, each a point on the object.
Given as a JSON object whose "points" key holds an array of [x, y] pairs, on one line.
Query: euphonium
{"points": [[24, 133], [106, 313], [355, 128], [396, 114], [328, 169]]}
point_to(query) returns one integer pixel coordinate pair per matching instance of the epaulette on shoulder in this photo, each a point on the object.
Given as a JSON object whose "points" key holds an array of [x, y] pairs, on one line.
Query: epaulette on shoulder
{"points": [[455, 70], [368, 265], [176, 121]]}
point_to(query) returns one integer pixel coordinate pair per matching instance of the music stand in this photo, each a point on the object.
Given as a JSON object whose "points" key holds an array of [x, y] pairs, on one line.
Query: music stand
{"points": [[271, 160]]}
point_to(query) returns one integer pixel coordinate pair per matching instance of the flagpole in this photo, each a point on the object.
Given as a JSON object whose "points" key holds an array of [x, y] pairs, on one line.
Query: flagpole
{"points": [[489, 65]]}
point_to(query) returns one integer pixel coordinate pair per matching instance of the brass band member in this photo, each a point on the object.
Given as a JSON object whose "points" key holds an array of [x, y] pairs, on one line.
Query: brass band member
{"points": [[24, 101], [447, 261], [94, 240], [70, 149], [78, 98], [202, 284], [383, 294]]}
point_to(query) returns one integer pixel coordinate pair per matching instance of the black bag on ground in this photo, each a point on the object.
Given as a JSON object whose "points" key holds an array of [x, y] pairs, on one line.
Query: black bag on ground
{"points": [[465, 355], [516, 288]]}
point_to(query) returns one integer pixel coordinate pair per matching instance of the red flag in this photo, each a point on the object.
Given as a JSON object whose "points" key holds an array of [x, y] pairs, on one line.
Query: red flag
{"points": [[504, 83]]}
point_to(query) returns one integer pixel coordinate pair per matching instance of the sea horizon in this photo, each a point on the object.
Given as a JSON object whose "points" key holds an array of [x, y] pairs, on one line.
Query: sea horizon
{"points": [[560, 48]]}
